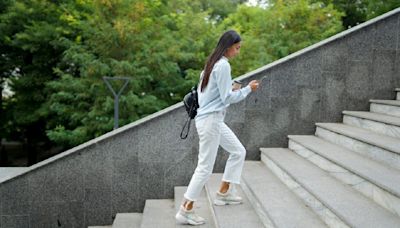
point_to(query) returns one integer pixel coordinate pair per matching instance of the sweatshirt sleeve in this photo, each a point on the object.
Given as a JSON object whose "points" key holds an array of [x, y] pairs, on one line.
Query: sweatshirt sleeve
{"points": [[224, 82]]}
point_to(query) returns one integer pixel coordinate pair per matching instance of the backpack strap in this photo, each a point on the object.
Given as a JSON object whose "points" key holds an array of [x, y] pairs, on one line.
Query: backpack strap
{"points": [[187, 123]]}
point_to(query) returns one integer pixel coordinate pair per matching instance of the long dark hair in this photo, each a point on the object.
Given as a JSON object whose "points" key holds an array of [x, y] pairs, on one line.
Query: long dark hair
{"points": [[227, 39]]}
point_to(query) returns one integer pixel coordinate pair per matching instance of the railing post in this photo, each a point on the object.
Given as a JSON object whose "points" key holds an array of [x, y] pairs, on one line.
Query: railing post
{"points": [[116, 95]]}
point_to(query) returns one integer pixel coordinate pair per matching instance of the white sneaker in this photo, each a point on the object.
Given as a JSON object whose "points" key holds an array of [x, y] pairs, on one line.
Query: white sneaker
{"points": [[188, 217], [228, 198]]}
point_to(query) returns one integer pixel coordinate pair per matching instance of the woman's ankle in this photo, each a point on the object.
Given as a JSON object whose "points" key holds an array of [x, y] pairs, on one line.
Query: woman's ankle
{"points": [[188, 205], [224, 187]]}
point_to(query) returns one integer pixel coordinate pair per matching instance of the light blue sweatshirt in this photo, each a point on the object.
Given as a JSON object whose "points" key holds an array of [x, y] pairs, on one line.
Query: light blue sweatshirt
{"points": [[218, 94]]}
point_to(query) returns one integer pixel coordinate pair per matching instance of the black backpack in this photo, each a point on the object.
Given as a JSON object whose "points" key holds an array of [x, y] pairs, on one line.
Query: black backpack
{"points": [[191, 105]]}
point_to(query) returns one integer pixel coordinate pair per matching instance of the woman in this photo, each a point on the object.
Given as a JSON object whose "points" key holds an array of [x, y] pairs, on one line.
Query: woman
{"points": [[215, 94]]}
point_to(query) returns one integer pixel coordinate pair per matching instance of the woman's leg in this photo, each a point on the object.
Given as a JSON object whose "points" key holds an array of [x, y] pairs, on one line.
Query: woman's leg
{"points": [[224, 187], [208, 131], [209, 136], [233, 169], [237, 154]]}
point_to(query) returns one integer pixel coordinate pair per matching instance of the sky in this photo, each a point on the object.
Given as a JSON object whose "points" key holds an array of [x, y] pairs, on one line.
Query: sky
{"points": [[262, 3]]}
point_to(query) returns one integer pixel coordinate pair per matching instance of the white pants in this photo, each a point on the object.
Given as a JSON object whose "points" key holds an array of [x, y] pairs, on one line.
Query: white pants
{"points": [[213, 132]]}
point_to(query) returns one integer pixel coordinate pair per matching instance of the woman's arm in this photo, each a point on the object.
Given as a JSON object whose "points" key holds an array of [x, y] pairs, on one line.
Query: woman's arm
{"points": [[224, 83]]}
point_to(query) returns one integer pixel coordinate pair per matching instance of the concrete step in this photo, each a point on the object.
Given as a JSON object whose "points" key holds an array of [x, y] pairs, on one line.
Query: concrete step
{"points": [[242, 215], [324, 213], [388, 107], [397, 93], [159, 213], [373, 179], [202, 207], [379, 147], [274, 202], [127, 220], [353, 209], [377, 122]]}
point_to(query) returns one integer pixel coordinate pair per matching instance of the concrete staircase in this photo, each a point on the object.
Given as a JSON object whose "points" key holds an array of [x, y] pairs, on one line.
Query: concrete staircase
{"points": [[346, 175]]}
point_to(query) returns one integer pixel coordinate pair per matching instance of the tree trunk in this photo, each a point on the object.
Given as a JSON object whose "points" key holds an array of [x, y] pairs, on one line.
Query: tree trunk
{"points": [[3, 152], [3, 155], [31, 149]]}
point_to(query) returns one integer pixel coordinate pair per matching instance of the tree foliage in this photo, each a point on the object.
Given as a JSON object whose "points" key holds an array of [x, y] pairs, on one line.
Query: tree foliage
{"points": [[32, 44], [358, 11], [54, 54], [275, 32]]}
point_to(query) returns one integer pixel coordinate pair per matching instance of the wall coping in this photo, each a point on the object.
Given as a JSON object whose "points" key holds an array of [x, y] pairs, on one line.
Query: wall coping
{"points": [[95, 141]]}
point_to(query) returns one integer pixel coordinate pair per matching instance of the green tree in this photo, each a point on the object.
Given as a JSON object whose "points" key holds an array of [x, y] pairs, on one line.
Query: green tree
{"points": [[378, 7], [122, 38], [32, 45], [4, 75], [55, 54], [279, 30], [358, 11]]}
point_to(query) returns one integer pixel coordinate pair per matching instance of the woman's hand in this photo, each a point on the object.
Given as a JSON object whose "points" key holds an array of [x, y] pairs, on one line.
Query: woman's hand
{"points": [[254, 85]]}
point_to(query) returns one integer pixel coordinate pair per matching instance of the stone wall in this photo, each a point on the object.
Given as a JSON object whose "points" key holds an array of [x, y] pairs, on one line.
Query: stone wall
{"points": [[118, 171]]}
